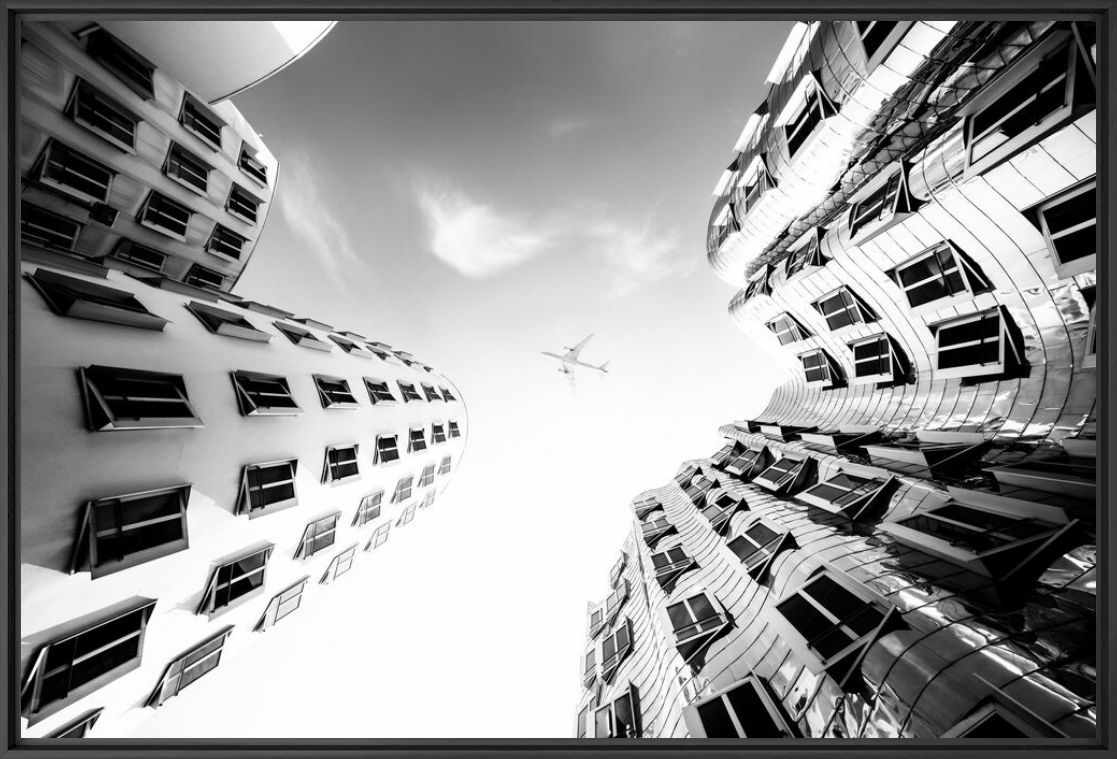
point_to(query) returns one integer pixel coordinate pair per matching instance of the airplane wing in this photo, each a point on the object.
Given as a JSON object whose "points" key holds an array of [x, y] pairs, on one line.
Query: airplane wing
{"points": [[603, 368], [572, 354]]}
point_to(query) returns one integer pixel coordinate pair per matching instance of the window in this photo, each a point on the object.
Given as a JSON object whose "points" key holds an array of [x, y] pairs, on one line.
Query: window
{"points": [[444, 467], [830, 618], [47, 229], [873, 35], [166, 216], [379, 536], [447, 395], [341, 463], [407, 515], [615, 600], [809, 254], [846, 494], [670, 564], [348, 346], [1048, 86], [252, 166], [438, 434], [282, 603], [977, 345], [755, 181], [757, 546], [815, 106], [200, 121], [1001, 718], [1070, 228], [616, 574], [94, 651], [79, 299], [939, 272], [131, 399], [369, 509], [387, 449], [339, 565], [187, 169], [428, 500], [266, 488], [124, 531], [745, 709], [698, 488], [263, 395], [200, 276], [427, 477], [318, 535], [721, 510], [235, 578], [334, 392], [124, 62], [760, 284], [139, 255], [883, 208], [782, 475], [454, 431], [222, 322], [226, 242], [416, 440], [583, 716], [102, 115], [614, 648], [378, 391], [819, 367], [748, 462], [1090, 354], [842, 308], [589, 671], [80, 727], [695, 621], [878, 359], [403, 489], [656, 529], [408, 392], [788, 329], [646, 506], [300, 336], [243, 205], [620, 718], [597, 620], [188, 667], [431, 394], [63, 168]]}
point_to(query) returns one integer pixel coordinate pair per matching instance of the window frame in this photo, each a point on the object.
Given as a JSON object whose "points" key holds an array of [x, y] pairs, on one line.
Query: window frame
{"points": [[702, 635], [833, 377], [376, 389], [240, 201], [667, 574], [407, 515], [632, 699], [99, 413], [92, 301], [896, 361], [203, 115], [856, 500], [408, 392], [973, 279], [228, 323], [303, 551], [272, 616], [248, 401], [333, 465], [378, 454], [149, 209], [248, 156], [75, 107], [126, 251], [1028, 723], [225, 243], [208, 603], [452, 429], [197, 277], [340, 564], [719, 522], [426, 478], [1010, 357], [134, 71], [438, 433], [852, 305], [884, 206], [788, 478], [379, 536], [56, 153], [403, 491], [444, 466], [52, 238], [1037, 214], [83, 724], [85, 554], [415, 445], [886, 44], [787, 325], [775, 713], [611, 663], [369, 509], [797, 127], [807, 255], [174, 671], [347, 400], [758, 562], [244, 494], [180, 156], [301, 337]]}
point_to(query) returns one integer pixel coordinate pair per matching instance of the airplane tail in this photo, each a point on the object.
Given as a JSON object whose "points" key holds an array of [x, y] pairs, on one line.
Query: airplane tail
{"points": [[603, 367]]}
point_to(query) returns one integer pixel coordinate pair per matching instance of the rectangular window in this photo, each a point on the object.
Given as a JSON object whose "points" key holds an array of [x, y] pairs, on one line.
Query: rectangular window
{"points": [[300, 336], [842, 492], [873, 34], [819, 367], [403, 489], [369, 509], [997, 719], [670, 562], [104, 646], [756, 546], [427, 477], [189, 667], [339, 565], [830, 617], [125, 63], [779, 476], [1070, 229], [407, 515], [721, 510], [79, 299], [341, 463], [78, 728], [877, 359], [379, 536], [318, 536], [583, 717], [883, 208], [589, 669], [166, 216], [787, 329], [416, 440], [761, 284], [282, 603], [620, 718], [654, 530], [252, 166], [1090, 354], [187, 169], [200, 121], [263, 395], [431, 394], [814, 109], [444, 467], [119, 399], [243, 205], [200, 276], [102, 115], [124, 531], [745, 709], [226, 242], [438, 434], [447, 395], [975, 346], [694, 620], [139, 255], [809, 254], [378, 391], [843, 308], [348, 346], [408, 392], [744, 464], [72, 172], [387, 449], [698, 488], [222, 322], [47, 229], [614, 648], [454, 431], [942, 271], [268, 487], [334, 392], [235, 578]]}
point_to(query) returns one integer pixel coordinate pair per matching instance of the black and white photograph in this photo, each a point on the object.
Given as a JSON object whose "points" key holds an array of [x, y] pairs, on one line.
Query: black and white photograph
{"points": [[541, 379]]}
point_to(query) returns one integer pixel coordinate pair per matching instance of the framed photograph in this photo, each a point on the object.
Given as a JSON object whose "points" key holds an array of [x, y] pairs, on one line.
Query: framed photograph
{"points": [[446, 379]]}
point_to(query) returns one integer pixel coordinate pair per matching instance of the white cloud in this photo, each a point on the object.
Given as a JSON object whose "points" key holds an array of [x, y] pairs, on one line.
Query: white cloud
{"points": [[562, 127], [311, 217], [479, 240]]}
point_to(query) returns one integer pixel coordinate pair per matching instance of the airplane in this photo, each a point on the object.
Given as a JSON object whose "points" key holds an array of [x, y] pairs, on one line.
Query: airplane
{"points": [[569, 361]]}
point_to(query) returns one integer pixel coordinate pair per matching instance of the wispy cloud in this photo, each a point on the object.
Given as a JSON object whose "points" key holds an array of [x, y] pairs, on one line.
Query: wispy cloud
{"points": [[562, 127], [311, 217], [479, 240]]}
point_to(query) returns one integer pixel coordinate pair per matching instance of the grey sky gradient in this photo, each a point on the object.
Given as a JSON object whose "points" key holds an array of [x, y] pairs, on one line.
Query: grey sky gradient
{"points": [[476, 192]]}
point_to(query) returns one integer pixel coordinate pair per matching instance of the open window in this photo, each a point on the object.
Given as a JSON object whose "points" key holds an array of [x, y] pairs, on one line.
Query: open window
{"points": [[877, 359], [243, 204], [427, 476], [142, 256], [251, 165], [187, 169], [234, 579], [882, 208], [438, 433], [228, 323], [985, 344], [596, 620], [403, 489], [73, 173], [407, 515], [696, 621], [820, 369], [615, 600], [758, 545], [444, 466], [1002, 717], [341, 463], [935, 276], [932, 452], [379, 536], [368, 509], [447, 395], [746, 709], [318, 536], [1090, 349], [807, 107], [616, 573], [408, 392], [189, 667], [615, 648], [334, 392], [754, 182], [1069, 225], [807, 255], [787, 329], [282, 603], [47, 229], [749, 463], [300, 336], [589, 666], [166, 216], [428, 500], [652, 531], [127, 530], [378, 391], [263, 394], [453, 429], [200, 276], [644, 507], [76, 658], [698, 487], [430, 393], [80, 727], [349, 346], [620, 718], [339, 565], [201, 121], [760, 284], [416, 440], [842, 308], [132, 399], [387, 449], [102, 115], [225, 242], [851, 496], [787, 475], [671, 564], [266, 488], [79, 299], [131, 68], [878, 38], [719, 510]]}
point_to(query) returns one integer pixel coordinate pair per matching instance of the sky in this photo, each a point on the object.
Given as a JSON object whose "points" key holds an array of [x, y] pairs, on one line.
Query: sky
{"points": [[476, 192]]}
